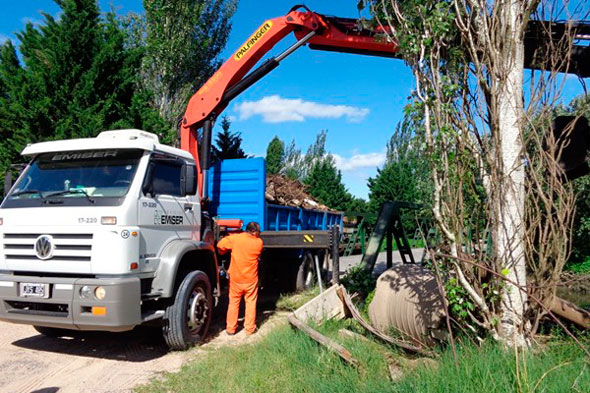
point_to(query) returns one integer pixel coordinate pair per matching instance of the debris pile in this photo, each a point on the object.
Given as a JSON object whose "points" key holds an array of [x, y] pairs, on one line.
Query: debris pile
{"points": [[288, 192]]}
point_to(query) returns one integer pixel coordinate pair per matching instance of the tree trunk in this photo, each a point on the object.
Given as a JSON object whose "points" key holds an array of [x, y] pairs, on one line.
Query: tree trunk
{"points": [[509, 193]]}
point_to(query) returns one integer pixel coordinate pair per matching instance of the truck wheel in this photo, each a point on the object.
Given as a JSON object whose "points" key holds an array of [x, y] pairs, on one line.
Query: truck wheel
{"points": [[306, 275], [51, 331], [186, 321]]}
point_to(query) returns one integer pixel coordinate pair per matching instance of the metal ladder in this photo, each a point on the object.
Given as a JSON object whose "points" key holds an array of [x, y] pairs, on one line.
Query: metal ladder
{"points": [[389, 226], [359, 232]]}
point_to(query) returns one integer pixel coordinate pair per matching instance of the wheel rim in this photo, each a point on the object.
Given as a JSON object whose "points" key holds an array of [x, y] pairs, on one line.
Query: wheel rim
{"points": [[198, 310]]}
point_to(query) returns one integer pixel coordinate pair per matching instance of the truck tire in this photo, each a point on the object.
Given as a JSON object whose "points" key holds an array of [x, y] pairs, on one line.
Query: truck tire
{"points": [[306, 274], [51, 331], [187, 319]]}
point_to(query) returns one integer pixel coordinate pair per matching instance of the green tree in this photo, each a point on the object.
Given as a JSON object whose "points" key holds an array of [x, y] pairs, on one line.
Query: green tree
{"points": [[183, 42], [275, 156], [357, 205], [228, 144], [298, 166], [315, 152], [293, 168], [77, 78], [324, 183], [405, 175]]}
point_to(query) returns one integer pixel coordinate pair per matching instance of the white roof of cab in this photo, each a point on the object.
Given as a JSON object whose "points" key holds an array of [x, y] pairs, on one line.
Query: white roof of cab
{"points": [[116, 139]]}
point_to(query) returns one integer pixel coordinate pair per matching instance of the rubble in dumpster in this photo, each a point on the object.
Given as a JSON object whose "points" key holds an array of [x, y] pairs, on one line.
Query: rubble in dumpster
{"points": [[281, 190]]}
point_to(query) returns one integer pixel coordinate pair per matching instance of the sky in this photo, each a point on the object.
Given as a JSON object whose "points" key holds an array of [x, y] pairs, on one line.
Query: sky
{"points": [[357, 99]]}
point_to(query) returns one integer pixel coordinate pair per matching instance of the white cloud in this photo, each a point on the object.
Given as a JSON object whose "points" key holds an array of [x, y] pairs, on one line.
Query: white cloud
{"points": [[356, 161], [275, 109]]}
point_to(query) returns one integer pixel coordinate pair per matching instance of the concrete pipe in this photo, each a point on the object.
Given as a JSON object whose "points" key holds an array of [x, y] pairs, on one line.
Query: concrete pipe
{"points": [[407, 301]]}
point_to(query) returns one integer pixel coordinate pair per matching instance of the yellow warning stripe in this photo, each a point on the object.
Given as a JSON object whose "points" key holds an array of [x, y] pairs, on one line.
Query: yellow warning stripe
{"points": [[308, 238]]}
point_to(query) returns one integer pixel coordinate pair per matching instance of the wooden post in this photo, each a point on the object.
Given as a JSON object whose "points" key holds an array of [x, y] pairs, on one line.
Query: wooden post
{"points": [[323, 340]]}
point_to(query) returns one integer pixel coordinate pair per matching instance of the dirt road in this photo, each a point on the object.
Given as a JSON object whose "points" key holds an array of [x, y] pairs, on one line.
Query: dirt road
{"points": [[100, 362]]}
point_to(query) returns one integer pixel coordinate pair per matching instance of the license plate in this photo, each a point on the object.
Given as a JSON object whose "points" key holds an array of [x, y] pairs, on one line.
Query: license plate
{"points": [[34, 290]]}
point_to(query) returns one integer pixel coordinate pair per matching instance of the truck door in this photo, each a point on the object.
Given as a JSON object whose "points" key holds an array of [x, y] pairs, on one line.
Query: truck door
{"points": [[166, 213]]}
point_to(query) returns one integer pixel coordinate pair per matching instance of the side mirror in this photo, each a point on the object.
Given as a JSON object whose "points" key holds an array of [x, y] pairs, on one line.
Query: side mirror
{"points": [[148, 183], [190, 179]]}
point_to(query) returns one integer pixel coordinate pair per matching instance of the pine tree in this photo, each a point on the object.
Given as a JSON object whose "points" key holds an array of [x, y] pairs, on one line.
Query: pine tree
{"points": [[78, 77], [275, 156], [228, 144], [324, 183], [357, 205]]}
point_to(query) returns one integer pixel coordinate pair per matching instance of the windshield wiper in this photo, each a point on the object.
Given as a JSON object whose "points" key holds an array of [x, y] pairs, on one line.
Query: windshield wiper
{"points": [[71, 191], [25, 192]]}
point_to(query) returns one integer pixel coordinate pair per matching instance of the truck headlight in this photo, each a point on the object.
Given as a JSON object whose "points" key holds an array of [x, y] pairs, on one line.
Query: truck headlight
{"points": [[85, 292], [100, 293]]}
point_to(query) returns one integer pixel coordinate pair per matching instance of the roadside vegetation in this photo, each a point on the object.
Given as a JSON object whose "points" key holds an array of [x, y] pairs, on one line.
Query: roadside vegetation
{"points": [[286, 360]]}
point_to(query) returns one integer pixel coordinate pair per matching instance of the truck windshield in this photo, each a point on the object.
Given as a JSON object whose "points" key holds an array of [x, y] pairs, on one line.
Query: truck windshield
{"points": [[78, 178]]}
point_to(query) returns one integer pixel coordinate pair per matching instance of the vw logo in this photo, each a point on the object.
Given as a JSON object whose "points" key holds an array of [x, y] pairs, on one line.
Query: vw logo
{"points": [[44, 247]]}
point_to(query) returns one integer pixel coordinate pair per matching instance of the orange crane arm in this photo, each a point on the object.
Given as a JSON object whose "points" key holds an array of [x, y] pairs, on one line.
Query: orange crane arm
{"points": [[323, 33], [319, 31]]}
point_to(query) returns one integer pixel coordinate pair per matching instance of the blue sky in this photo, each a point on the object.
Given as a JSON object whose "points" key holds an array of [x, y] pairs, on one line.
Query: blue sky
{"points": [[358, 99]]}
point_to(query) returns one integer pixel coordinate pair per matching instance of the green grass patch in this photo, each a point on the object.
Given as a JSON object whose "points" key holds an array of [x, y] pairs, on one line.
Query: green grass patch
{"points": [[582, 267], [286, 360], [414, 243], [291, 302], [559, 367]]}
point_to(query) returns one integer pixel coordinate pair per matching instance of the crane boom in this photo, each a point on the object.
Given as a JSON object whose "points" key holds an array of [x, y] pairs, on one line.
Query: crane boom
{"points": [[326, 33], [319, 31]]}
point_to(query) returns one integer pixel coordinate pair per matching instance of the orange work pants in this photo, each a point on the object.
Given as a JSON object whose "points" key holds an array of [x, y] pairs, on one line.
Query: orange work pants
{"points": [[250, 293]]}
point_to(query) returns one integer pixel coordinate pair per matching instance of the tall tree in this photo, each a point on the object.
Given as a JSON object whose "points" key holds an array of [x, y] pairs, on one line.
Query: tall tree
{"points": [[228, 145], [405, 176], [324, 183], [275, 156], [298, 166], [467, 58], [77, 78], [293, 168], [184, 40]]}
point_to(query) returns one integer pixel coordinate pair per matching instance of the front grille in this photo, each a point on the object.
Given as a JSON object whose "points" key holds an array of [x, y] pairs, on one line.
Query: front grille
{"points": [[49, 274], [32, 308], [69, 247]]}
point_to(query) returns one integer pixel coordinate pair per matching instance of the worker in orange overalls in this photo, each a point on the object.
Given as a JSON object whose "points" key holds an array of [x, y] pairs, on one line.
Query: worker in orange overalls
{"points": [[243, 275]]}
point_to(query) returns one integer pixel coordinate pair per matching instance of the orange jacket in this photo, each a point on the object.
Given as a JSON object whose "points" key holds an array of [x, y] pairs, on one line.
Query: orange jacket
{"points": [[245, 249]]}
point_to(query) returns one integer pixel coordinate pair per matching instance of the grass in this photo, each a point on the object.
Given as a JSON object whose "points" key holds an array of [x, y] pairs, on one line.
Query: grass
{"points": [[286, 360], [414, 243], [292, 302], [582, 267], [560, 367]]}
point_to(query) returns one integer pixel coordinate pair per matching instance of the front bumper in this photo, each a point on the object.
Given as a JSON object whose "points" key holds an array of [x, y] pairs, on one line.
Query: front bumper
{"points": [[65, 308]]}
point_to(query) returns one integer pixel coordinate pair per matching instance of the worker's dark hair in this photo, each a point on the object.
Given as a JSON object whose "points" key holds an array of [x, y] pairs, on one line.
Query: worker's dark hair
{"points": [[253, 227]]}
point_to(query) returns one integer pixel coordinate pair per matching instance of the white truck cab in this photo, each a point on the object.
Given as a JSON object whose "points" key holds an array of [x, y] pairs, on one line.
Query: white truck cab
{"points": [[106, 233]]}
